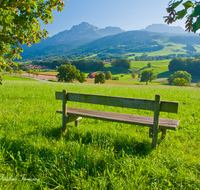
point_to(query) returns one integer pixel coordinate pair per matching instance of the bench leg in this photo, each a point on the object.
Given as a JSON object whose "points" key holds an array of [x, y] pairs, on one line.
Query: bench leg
{"points": [[151, 132], [77, 121], [64, 123], [164, 133]]}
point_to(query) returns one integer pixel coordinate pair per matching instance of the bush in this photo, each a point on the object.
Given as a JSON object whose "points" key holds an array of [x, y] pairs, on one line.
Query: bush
{"points": [[198, 84], [180, 74], [115, 78], [133, 75], [180, 82]]}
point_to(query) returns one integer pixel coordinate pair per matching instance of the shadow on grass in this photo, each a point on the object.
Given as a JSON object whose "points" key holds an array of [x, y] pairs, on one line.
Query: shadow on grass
{"points": [[165, 74]]}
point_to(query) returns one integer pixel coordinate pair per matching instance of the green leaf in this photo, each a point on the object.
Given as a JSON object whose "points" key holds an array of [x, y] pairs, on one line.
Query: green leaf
{"points": [[181, 14], [188, 4], [176, 4], [196, 25], [196, 11]]}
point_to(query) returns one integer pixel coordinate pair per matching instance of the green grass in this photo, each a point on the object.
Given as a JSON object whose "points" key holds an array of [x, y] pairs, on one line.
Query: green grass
{"points": [[97, 154], [17, 78]]}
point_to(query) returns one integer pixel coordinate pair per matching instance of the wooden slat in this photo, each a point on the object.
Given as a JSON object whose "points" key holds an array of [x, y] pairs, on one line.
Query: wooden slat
{"points": [[166, 106], [123, 118], [156, 120], [112, 101], [146, 104]]}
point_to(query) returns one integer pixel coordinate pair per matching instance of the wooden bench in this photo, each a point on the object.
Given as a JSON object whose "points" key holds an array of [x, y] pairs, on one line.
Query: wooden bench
{"points": [[155, 123]]}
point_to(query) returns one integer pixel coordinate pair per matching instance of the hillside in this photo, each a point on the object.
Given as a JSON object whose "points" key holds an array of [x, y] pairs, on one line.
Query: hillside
{"points": [[85, 40], [78, 34]]}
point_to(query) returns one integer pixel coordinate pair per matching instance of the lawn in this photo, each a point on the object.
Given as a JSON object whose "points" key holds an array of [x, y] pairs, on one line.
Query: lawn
{"points": [[35, 154]]}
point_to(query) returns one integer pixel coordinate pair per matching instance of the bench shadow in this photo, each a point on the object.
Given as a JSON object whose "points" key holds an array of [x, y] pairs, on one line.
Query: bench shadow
{"points": [[102, 139]]}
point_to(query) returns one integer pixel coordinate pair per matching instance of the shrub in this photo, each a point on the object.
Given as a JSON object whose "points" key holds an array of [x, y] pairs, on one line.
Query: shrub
{"points": [[133, 75], [115, 78], [180, 74], [180, 82], [198, 84]]}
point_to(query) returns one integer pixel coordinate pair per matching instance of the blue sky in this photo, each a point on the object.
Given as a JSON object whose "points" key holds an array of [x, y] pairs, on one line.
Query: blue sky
{"points": [[126, 14]]}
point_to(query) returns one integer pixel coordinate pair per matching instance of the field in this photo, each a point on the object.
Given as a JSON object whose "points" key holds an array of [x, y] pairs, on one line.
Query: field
{"points": [[35, 154], [16, 78]]}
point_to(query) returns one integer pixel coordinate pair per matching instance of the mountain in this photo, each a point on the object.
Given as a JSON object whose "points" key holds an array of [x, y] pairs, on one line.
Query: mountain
{"points": [[84, 40], [162, 28], [126, 42], [83, 32]]}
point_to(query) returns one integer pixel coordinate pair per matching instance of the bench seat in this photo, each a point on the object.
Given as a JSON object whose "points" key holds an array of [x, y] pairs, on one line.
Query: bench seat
{"points": [[171, 124]]}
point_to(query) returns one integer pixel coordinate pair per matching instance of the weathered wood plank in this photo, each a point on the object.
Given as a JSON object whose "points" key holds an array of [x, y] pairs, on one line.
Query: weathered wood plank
{"points": [[166, 106], [123, 118], [146, 104], [156, 121], [64, 108], [112, 101]]}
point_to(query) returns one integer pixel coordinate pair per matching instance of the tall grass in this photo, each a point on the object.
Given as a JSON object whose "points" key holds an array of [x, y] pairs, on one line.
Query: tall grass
{"points": [[35, 154]]}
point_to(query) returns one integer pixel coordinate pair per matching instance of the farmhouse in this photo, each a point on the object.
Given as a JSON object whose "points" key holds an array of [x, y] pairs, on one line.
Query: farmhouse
{"points": [[92, 75]]}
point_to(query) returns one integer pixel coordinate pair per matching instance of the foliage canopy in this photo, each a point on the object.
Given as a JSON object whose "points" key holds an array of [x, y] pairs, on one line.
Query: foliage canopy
{"points": [[20, 24], [191, 11], [67, 73], [125, 63], [108, 75], [147, 75], [99, 78], [180, 74]]}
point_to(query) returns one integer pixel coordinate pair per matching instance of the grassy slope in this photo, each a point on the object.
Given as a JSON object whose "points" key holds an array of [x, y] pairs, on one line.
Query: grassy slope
{"points": [[17, 78], [98, 154], [160, 68]]}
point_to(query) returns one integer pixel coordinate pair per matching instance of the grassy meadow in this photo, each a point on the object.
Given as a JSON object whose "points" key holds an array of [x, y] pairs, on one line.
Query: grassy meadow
{"points": [[160, 68], [35, 154]]}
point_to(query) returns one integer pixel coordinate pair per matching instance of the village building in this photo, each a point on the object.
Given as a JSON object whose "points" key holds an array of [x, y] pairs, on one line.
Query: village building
{"points": [[92, 75]]}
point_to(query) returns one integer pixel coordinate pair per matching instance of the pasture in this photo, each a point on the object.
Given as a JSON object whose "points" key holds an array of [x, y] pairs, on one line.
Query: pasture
{"points": [[35, 154]]}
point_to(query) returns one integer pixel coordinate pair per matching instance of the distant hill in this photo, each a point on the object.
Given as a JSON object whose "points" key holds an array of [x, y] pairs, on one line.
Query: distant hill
{"points": [[131, 41], [163, 28]]}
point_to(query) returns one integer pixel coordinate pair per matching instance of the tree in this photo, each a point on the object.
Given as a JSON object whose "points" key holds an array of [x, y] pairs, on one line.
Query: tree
{"points": [[177, 64], [67, 73], [81, 78], [191, 11], [99, 78], [15, 71], [37, 73], [33, 72], [108, 75], [149, 65], [133, 75], [20, 24], [20, 72], [147, 75], [29, 71], [180, 74], [125, 63]]}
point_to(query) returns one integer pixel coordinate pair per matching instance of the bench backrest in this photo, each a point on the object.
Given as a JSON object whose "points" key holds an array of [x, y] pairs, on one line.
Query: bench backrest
{"points": [[136, 103]]}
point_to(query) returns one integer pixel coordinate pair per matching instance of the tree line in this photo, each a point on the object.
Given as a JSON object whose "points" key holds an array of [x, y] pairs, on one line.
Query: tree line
{"points": [[192, 66]]}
